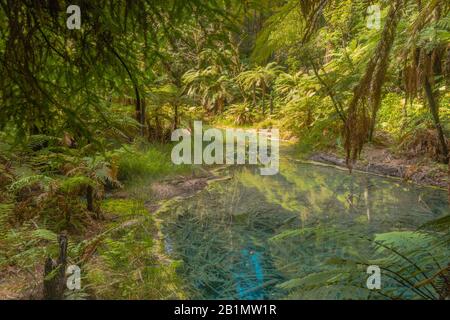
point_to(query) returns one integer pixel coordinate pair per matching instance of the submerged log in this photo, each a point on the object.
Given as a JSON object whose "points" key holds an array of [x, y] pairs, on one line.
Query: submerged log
{"points": [[377, 168], [403, 171]]}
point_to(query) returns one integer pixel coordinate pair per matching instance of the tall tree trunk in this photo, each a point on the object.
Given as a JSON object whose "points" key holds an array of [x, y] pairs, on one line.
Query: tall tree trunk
{"points": [[372, 124], [367, 94], [175, 117], [220, 105], [90, 198], [139, 113], [137, 108], [254, 96], [263, 100], [309, 116], [142, 116], [159, 129], [271, 102], [434, 108]]}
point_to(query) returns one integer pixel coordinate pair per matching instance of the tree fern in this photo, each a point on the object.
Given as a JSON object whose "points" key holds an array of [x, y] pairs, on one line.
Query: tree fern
{"points": [[29, 181]]}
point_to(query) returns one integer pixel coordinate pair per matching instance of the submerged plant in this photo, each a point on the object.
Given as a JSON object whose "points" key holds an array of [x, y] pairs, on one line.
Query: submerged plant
{"points": [[414, 265]]}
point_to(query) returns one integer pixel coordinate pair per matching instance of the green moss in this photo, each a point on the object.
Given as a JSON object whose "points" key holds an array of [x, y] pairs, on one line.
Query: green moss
{"points": [[74, 184], [124, 207]]}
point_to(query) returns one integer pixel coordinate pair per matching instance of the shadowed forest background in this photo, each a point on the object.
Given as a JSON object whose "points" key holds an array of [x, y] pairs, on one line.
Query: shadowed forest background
{"points": [[86, 118]]}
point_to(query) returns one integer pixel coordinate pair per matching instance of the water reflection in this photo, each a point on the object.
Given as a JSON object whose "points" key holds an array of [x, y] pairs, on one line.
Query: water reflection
{"points": [[240, 238]]}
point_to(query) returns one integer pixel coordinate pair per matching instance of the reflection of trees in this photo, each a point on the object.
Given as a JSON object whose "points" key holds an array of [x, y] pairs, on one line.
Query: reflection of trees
{"points": [[367, 198], [323, 193], [336, 210], [296, 220]]}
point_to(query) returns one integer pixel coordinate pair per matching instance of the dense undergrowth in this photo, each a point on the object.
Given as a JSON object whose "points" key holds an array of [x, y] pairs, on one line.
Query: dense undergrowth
{"points": [[47, 192]]}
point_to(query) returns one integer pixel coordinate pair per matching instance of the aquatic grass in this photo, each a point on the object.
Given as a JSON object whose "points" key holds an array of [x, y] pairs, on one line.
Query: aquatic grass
{"points": [[308, 224]]}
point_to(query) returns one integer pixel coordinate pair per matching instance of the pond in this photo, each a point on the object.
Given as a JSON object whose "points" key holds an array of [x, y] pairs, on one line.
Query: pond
{"points": [[275, 237]]}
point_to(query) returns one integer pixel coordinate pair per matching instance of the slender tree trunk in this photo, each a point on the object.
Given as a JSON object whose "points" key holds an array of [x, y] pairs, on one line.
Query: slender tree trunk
{"points": [[264, 98], [159, 129], [263, 104], [220, 105], [254, 96], [434, 108], [175, 117], [405, 114], [373, 121], [90, 198], [309, 116], [140, 115], [271, 103]]}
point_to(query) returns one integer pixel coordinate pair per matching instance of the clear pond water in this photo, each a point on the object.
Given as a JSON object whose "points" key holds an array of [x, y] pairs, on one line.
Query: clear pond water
{"points": [[256, 237]]}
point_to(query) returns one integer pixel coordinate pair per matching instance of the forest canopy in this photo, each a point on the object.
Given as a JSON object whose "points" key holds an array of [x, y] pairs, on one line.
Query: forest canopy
{"points": [[193, 53]]}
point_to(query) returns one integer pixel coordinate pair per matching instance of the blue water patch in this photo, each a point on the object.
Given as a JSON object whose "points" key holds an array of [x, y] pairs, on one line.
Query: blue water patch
{"points": [[250, 278]]}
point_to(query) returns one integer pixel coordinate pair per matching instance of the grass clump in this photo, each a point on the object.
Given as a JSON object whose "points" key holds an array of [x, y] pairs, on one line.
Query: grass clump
{"points": [[149, 162]]}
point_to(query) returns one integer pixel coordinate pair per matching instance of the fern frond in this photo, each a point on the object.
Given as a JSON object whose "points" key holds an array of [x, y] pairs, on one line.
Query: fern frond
{"points": [[25, 182]]}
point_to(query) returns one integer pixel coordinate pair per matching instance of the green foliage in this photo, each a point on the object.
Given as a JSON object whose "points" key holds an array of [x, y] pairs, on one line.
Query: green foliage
{"points": [[127, 265], [76, 120], [26, 247], [60, 81], [29, 181], [240, 114], [143, 164], [210, 86], [412, 263], [401, 118], [438, 225], [258, 81], [75, 184], [124, 207]]}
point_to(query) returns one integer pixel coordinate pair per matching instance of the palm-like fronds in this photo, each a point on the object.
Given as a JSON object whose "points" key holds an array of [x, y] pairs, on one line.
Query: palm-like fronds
{"points": [[212, 87]]}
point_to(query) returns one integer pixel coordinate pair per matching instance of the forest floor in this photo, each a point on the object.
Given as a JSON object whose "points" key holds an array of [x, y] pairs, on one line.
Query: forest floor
{"points": [[18, 283]]}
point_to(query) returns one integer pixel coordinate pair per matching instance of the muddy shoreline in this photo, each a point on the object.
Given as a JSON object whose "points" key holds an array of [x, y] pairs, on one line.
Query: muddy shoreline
{"points": [[421, 175]]}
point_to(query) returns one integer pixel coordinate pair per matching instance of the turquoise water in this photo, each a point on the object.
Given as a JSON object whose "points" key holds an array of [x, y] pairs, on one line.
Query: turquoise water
{"points": [[276, 237]]}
